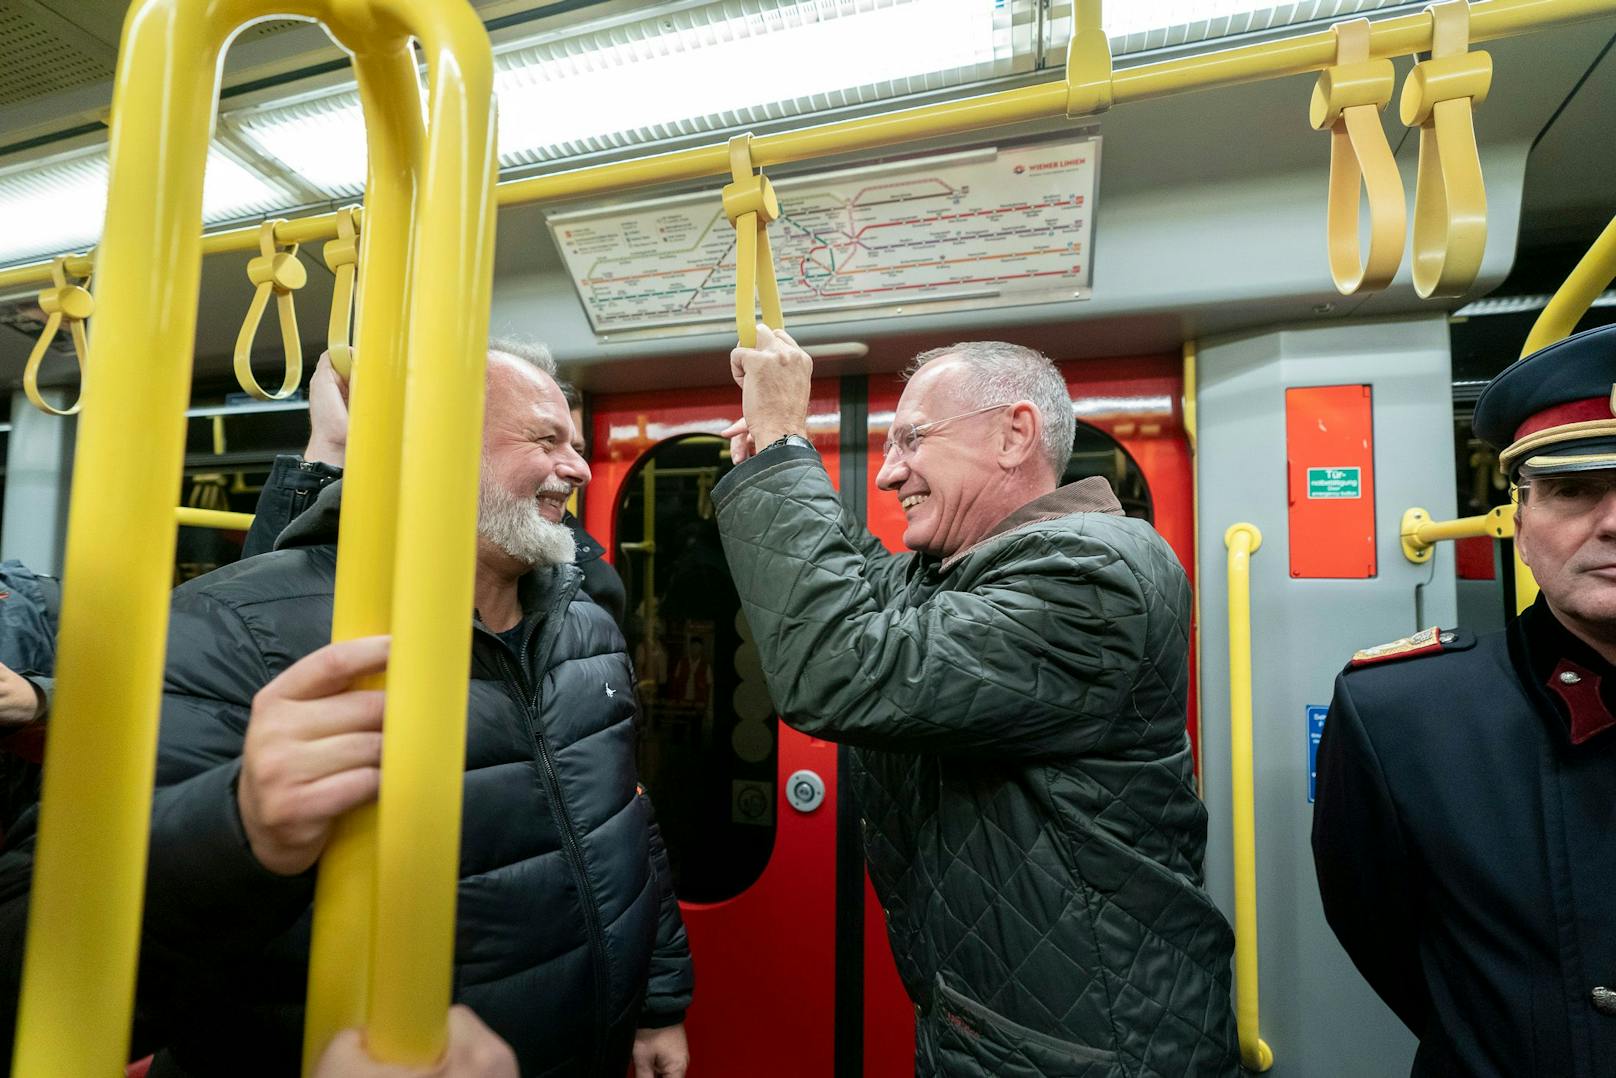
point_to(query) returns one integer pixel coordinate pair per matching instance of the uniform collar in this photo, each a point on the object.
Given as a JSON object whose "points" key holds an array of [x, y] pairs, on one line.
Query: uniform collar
{"points": [[1575, 678]]}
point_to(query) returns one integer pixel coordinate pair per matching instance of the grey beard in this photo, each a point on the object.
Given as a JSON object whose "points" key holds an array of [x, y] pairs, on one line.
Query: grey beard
{"points": [[516, 526]]}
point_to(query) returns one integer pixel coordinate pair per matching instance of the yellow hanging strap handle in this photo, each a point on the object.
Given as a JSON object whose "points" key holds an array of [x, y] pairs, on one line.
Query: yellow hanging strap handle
{"points": [[1347, 102], [342, 258], [1088, 63], [1450, 199], [63, 302], [750, 204], [279, 273]]}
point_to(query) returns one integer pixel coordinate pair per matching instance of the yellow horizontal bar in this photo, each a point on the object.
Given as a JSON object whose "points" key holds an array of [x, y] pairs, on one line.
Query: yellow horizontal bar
{"points": [[1298, 55], [212, 518], [1498, 524]]}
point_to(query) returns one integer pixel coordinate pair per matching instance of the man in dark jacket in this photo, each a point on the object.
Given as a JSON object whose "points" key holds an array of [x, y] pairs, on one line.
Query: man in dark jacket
{"points": [[1015, 694], [29, 606], [1465, 828], [294, 483], [568, 939]]}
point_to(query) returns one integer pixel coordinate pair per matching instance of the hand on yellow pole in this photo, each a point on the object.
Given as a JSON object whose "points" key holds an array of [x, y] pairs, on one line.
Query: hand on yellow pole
{"points": [[313, 751], [475, 1051]]}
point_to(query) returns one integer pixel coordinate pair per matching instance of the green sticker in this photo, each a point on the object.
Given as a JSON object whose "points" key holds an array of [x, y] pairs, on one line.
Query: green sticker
{"points": [[1334, 483]]}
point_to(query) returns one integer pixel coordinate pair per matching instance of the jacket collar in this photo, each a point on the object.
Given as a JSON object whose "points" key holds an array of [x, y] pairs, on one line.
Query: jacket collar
{"points": [[1091, 495], [1571, 679]]}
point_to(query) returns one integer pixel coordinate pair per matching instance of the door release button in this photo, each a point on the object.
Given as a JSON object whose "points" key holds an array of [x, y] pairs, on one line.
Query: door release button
{"points": [[805, 790]]}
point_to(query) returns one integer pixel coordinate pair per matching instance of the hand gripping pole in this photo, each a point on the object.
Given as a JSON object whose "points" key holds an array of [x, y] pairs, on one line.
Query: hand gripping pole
{"points": [[1347, 102], [63, 302], [342, 259], [278, 273], [1450, 199], [750, 204]]}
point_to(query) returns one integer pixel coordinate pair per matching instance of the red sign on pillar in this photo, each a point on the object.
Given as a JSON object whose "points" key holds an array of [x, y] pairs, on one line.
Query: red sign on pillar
{"points": [[1330, 463]]}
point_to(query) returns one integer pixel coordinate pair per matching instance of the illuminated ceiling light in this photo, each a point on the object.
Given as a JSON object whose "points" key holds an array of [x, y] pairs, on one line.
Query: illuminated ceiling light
{"points": [[1142, 25], [58, 206]]}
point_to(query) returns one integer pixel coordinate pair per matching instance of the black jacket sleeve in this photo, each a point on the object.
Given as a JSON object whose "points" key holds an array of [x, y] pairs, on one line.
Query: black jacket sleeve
{"points": [[673, 978], [292, 486], [1368, 878], [206, 894]]}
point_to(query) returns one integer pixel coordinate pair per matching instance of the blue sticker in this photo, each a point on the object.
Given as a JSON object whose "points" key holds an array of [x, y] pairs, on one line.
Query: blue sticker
{"points": [[1315, 732]]}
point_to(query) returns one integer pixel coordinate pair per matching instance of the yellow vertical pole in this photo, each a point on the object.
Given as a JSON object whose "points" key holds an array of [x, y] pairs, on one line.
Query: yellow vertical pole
{"points": [[89, 873], [1242, 541], [424, 735], [340, 958]]}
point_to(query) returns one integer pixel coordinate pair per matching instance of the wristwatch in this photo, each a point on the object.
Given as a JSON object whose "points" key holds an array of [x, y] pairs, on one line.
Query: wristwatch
{"points": [[787, 439]]}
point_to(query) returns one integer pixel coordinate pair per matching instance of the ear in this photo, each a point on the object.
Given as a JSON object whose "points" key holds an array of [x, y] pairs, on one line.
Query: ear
{"points": [[1022, 438]]}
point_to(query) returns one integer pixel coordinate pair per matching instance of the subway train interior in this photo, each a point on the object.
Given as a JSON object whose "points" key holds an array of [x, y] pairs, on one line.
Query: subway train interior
{"points": [[1140, 190]]}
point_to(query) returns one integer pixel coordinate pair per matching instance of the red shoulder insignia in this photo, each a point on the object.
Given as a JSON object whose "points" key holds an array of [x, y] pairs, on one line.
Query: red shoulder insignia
{"points": [[1428, 642]]}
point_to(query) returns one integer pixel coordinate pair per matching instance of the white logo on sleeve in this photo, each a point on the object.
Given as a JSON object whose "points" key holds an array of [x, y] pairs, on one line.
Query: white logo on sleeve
{"points": [[610, 692]]}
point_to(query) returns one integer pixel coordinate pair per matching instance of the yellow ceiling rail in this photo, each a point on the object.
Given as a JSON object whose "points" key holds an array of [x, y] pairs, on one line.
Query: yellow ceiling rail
{"points": [[1450, 198], [1298, 55], [1587, 281], [342, 259], [62, 302], [1242, 541], [422, 326], [276, 273], [1347, 102], [750, 204], [1088, 62]]}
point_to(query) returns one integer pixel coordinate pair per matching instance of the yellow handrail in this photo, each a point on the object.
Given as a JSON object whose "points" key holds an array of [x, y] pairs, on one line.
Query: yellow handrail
{"points": [[1419, 533], [434, 190], [187, 517], [1303, 53], [1591, 277], [1242, 541]]}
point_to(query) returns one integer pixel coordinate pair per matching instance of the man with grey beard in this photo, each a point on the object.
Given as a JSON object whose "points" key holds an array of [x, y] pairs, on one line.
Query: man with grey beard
{"points": [[568, 939]]}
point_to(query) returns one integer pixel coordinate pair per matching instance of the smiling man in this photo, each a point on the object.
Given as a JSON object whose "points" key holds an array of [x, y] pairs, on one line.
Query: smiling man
{"points": [[1465, 830], [568, 942], [1014, 690]]}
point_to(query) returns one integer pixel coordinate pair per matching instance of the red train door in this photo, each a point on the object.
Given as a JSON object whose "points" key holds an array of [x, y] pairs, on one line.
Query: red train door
{"points": [[747, 806]]}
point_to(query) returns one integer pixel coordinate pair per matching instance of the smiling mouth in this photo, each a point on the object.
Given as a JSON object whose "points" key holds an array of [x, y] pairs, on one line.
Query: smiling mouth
{"points": [[913, 501]]}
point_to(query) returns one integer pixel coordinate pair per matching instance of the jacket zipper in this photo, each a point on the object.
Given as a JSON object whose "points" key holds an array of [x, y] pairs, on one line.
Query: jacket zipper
{"points": [[533, 705]]}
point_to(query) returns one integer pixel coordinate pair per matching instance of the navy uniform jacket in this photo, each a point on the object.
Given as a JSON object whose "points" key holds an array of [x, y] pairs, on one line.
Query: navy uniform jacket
{"points": [[1465, 841]]}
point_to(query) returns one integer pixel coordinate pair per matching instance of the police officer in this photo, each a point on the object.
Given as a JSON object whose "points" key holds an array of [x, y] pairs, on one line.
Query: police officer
{"points": [[1465, 829]]}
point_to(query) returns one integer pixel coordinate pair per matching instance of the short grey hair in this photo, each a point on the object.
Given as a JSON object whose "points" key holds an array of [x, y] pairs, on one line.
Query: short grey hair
{"points": [[532, 353], [1001, 373]]}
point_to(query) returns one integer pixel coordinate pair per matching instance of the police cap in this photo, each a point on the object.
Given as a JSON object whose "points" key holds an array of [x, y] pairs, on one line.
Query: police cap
{"points": [[1554, 411]]}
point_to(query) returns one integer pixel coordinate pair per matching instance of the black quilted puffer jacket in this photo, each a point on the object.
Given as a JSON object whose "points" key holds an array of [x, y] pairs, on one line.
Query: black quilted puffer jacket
{"points": [[1021, 764], [568, 936]]}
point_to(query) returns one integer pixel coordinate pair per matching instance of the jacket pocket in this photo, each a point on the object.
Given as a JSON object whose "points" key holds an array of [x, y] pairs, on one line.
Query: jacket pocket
{"points": [[970, 1039]]}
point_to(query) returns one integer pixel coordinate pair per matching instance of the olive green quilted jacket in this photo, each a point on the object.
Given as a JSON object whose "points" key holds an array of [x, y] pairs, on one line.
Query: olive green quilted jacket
{"points": [[1021, 765]]}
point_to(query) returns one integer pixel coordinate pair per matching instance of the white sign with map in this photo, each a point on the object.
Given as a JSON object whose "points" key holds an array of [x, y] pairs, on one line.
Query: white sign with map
{"points": [[987, 227]]}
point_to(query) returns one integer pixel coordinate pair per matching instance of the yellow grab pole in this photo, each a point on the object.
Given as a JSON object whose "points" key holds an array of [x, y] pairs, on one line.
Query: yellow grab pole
{"points": [[89, 872], [187, 517], [345, 891], [1590, 277], [1400, 36], [1419, 533], [1242, 541], [424, 732]]}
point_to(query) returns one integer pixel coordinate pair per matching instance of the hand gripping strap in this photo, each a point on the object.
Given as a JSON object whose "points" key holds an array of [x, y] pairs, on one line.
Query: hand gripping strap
{"points": [[63, 302], [750, 205], [279, 273], [1347, 101], [342, 259], [1450, 199]]}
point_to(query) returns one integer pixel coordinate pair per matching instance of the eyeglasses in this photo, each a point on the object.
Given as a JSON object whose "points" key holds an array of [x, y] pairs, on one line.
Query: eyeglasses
{"points": [[1568, 495], [906, 439]]}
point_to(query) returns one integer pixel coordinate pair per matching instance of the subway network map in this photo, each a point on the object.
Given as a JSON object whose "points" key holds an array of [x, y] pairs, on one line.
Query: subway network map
{"points": [[988, 227]]}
